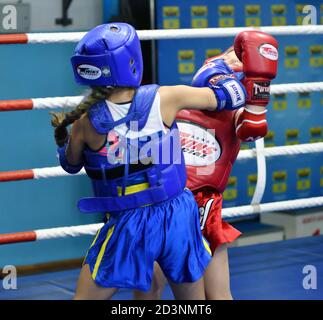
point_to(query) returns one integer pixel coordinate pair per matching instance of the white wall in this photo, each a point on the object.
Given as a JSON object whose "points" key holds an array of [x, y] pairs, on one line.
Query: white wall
{"points": [[85, 14]]}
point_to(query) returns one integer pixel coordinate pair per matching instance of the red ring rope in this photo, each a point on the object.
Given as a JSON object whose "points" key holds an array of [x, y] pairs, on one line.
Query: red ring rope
{"points": [[15, 105], [16, 175], [13, 38], [18, 237]]}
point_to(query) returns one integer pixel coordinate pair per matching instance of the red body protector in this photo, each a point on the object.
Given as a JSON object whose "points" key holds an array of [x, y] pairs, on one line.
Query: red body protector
{"points": [[210, 147]]}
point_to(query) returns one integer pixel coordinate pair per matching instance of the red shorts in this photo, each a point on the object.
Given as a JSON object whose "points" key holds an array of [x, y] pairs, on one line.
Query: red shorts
{"points": [[214, 229]]}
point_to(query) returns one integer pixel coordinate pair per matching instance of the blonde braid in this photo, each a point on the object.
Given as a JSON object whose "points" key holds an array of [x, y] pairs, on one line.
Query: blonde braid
{"points": [[61, 120]]}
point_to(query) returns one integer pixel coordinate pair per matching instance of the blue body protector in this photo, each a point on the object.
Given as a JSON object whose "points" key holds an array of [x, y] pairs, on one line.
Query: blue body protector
{"points": [[157, 161]]}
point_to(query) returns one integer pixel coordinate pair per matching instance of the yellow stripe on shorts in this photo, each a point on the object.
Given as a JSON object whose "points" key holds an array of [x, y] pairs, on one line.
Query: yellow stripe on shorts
{"points": [[207, 247], [95, 238], [101, 253], [92, 244]]}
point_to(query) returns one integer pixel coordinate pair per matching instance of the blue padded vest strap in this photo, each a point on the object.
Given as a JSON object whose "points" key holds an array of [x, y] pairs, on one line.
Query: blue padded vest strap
{"points": [[102, 120], [174, 180]]}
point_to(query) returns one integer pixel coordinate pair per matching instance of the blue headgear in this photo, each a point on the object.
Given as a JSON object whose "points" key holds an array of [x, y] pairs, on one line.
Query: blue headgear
{"points": [[109, 55]]}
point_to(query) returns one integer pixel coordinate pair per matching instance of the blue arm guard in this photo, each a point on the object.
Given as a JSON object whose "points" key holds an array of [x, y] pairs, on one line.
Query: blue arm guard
{"points": [[69, 168], [229, 91]]}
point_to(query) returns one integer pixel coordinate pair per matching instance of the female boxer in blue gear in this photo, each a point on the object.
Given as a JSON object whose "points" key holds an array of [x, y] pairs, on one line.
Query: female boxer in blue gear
{"points": [[125, 137]]}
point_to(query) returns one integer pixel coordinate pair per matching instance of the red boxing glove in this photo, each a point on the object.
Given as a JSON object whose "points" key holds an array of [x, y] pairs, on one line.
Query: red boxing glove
{"points": [[259, 55], [250, 125]]}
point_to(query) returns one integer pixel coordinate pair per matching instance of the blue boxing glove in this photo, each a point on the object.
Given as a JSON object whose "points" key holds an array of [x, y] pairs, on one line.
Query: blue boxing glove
{"points": [[69, 168], [229, 91]]}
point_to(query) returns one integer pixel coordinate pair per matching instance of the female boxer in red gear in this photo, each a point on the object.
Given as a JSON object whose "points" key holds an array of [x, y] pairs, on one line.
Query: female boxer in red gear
{"points": [[209, 163], [208, 187]]}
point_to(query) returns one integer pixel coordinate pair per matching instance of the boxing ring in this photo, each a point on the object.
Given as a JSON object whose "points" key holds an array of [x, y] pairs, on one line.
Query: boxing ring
{"points": [[260, 152]]}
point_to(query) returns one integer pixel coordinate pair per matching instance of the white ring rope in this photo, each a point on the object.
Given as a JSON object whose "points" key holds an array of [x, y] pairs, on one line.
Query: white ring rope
{"points": [[296, 87], [52, 172], [73, 101], [55, 37], [168, 34], [262, 172], [57, 102], [272, 206], [64, 232], [304, 148], [91, 229]]}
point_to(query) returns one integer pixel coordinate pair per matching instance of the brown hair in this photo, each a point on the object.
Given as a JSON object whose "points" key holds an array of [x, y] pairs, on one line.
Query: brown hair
{"points": [[61, 120]]}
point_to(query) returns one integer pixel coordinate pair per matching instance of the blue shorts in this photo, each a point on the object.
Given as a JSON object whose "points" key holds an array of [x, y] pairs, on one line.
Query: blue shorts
{"points": [[123, 252]]}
